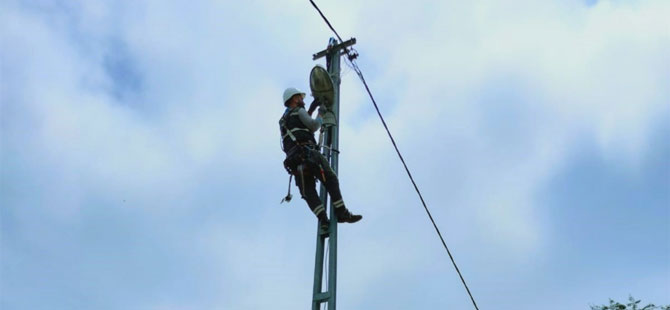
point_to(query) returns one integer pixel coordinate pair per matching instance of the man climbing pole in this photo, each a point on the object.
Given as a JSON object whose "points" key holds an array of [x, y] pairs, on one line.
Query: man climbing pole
{"points": [[305, 162]]}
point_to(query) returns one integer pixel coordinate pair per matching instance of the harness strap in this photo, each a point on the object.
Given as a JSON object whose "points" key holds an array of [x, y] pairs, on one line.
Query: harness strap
{"points": [[302, 180], [321, 137], [289, 132], [331, 149]]}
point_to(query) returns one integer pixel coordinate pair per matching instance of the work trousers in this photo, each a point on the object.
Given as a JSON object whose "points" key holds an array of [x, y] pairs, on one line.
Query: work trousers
{"points": [[318, 168]]}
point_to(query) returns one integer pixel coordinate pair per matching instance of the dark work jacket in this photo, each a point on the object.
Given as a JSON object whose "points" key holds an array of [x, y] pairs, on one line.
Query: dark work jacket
{"points": [[290, 121]]}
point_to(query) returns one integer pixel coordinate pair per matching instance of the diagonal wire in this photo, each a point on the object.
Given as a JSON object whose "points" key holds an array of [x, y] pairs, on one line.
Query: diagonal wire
{"points": [[360, 74], [326, 20], [423, 202]]}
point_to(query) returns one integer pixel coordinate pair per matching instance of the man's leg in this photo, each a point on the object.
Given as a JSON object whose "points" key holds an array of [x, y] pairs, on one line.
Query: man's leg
{"points": [[333, 187], [307, 186]]}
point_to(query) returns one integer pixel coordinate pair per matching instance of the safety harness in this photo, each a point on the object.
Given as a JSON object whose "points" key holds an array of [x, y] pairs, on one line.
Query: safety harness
{"points": [[298, 155]]}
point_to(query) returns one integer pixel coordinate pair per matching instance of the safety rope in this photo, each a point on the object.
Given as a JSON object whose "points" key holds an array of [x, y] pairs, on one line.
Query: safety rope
{"points": [[351, 59]]}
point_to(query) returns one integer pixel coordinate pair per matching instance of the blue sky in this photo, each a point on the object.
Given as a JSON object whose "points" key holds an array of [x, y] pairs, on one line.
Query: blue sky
{"points": [[140, 165]]}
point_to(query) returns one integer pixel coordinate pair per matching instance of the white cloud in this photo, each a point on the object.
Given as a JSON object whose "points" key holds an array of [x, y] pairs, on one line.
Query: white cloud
{"points": [[582, 71], [487, 100]]}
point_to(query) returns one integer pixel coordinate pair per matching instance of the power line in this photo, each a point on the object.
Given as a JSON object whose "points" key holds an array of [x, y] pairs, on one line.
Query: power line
{"points": [[351, 57], [360, 74], [326, 20]]}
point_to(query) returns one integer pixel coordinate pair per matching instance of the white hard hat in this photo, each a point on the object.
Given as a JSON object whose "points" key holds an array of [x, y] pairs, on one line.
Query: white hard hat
{"points": [[290, 92]]}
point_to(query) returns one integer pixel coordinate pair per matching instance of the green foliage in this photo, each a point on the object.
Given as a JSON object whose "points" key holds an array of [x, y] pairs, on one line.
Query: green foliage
{"points": [[631, 305]]}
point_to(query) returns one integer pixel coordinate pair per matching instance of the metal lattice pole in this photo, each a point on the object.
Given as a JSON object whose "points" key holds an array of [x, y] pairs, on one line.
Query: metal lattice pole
{"points": [[331, 152]]}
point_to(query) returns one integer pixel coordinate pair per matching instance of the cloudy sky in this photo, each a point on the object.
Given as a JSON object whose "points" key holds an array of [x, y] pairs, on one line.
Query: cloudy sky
{"points": [[140, 164]]}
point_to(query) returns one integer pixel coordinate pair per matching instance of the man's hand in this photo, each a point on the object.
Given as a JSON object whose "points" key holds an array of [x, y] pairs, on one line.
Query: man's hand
{"points": [[315, 104]]}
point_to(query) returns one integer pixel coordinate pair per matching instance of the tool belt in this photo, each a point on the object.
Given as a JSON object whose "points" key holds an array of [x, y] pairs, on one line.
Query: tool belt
{"points": [[302, 153]]}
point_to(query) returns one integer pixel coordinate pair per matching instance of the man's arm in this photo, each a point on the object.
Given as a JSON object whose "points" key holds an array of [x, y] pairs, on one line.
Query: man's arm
{"points": [[312, 124], [312, 107]]}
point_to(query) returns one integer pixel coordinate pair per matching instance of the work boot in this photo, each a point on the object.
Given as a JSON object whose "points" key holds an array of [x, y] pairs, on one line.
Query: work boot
{"points": [[344, 216]]}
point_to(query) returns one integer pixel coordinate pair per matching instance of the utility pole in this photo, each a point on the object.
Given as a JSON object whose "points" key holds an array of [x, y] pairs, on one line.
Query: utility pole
{"points": [[331, 152]]}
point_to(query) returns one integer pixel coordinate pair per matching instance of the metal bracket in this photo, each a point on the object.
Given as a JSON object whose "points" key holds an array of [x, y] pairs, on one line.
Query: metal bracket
{"points": [[342, 45]]}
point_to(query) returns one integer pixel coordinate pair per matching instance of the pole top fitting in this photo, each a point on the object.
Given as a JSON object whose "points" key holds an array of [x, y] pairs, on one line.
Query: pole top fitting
{"points": [[334, 46]]}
